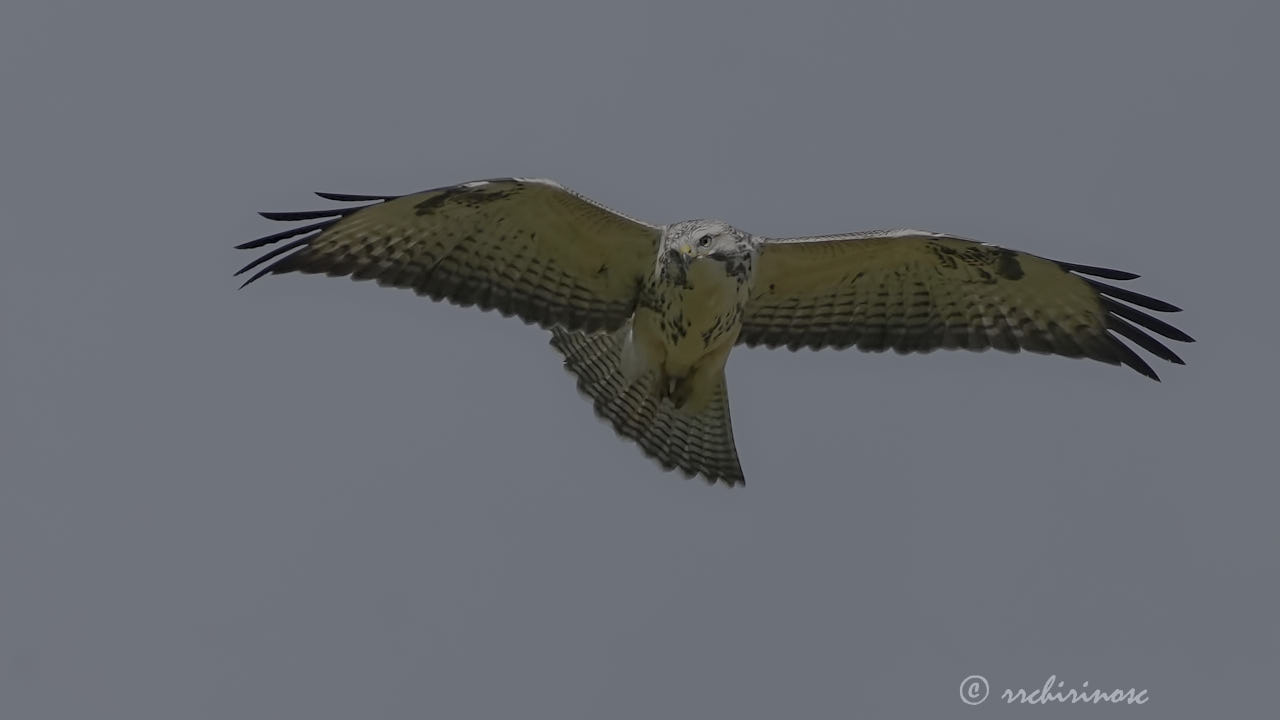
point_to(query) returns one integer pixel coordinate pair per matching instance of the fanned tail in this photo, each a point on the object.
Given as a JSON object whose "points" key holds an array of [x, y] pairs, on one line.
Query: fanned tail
{"points": [[695, 443]]}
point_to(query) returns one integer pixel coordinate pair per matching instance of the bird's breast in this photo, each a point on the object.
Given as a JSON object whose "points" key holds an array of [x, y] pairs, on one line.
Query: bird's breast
{"points": [[693, 317]]}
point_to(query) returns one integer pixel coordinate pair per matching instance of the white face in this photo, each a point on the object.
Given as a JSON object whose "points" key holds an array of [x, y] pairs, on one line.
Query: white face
{"points": [[705, 244], [696, 239]]}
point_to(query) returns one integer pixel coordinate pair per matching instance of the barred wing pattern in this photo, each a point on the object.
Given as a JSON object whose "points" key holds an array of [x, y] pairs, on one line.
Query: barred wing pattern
{"points": [[916, 291], [529, 248], [700, 444]]}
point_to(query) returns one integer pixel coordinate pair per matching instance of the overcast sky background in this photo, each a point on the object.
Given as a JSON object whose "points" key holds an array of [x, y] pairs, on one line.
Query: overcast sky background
{"points": [[321, 499]]}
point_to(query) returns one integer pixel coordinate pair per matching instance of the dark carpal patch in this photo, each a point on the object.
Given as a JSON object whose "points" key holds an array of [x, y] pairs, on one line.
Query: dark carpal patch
{"points": [[1007, 265], [471, 197], [945, 255], [435, 202], [989, 263]]}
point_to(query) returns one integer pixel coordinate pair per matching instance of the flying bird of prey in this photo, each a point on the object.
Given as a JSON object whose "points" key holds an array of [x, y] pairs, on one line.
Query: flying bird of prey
{"points": [[646, 315]]}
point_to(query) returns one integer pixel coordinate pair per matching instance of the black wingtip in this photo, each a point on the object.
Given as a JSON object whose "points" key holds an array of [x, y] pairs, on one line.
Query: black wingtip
{"points": [[255, 276], [1131, 359], [276, 237], [349, 197], [1143, 340], [1147, 321], [307, 214], [1130, 296], [1108, 273], [278, 266], [275, 252], [309, 232]]}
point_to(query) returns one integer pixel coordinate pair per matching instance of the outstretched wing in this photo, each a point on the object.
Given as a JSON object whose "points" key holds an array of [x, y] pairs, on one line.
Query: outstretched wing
{"points": [[917, 291], [529, 248]]}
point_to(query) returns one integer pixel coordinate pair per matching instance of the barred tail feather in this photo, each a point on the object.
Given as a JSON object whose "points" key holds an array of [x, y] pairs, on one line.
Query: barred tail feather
{"points": [[697, 444]]}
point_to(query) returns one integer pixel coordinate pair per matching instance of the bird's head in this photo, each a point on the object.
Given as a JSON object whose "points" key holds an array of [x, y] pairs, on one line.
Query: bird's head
{"points": [[693, 241]]}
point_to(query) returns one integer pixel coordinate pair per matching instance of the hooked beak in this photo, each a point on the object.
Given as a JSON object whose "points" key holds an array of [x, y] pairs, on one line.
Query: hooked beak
{"points": [[676, 266], [678, 257], [686, 249]]}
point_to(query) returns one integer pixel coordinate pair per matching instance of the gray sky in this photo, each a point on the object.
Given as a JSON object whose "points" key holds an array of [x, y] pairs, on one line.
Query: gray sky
{"points": [[321, 499]]}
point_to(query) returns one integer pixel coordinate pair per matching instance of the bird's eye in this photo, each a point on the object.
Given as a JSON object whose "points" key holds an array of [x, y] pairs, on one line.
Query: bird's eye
{"points": [[704, 241]]}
